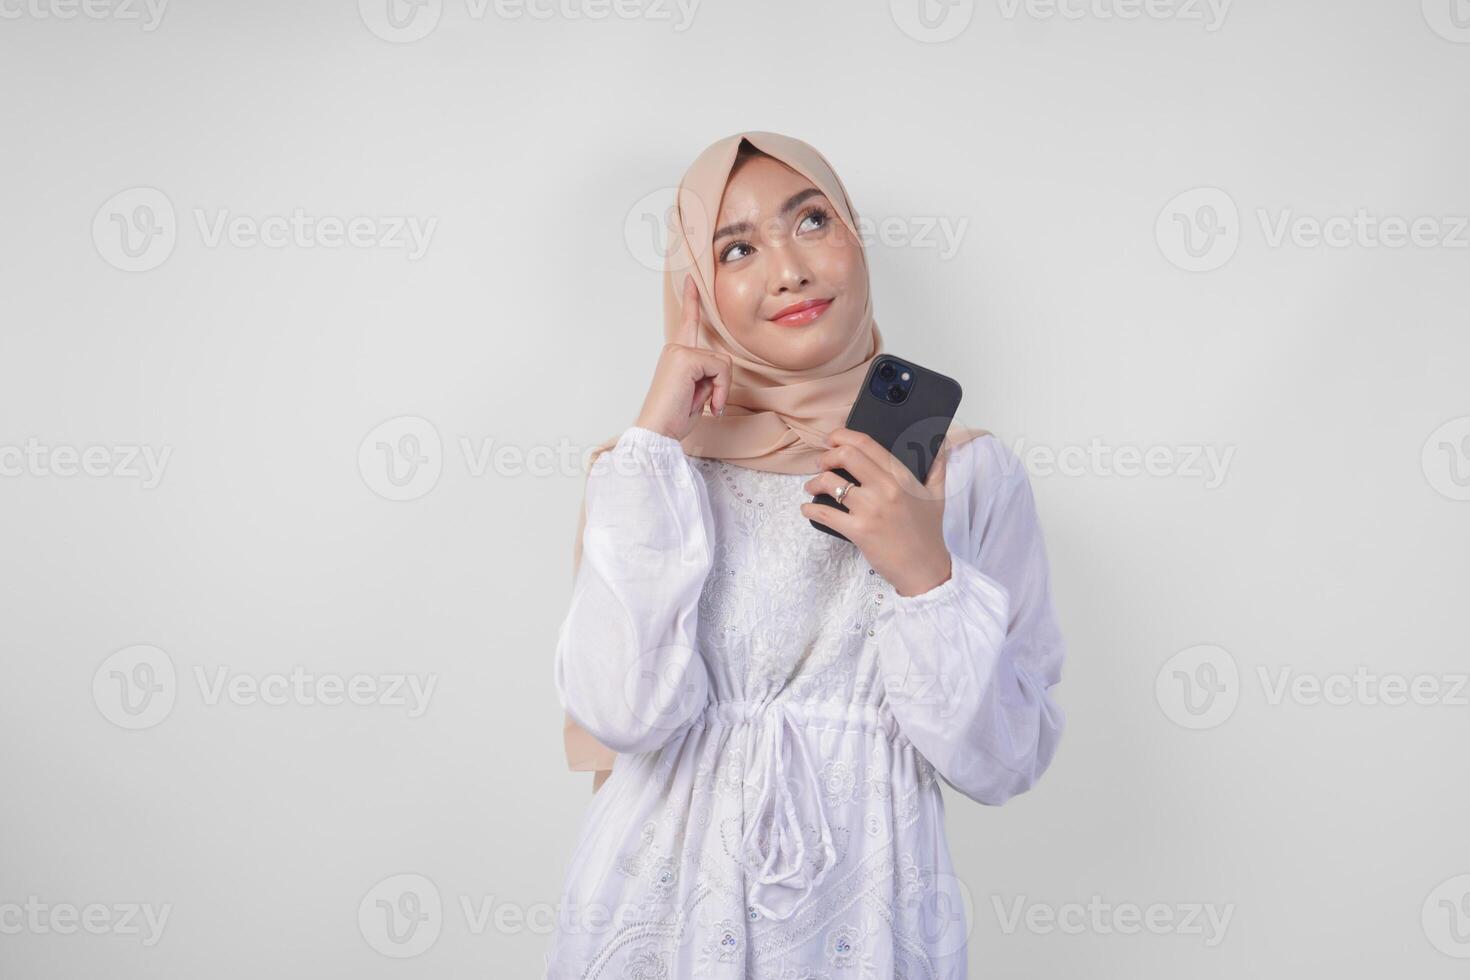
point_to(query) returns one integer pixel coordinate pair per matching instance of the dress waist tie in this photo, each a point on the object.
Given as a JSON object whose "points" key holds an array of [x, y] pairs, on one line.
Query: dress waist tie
{"points": [[787, 843]]}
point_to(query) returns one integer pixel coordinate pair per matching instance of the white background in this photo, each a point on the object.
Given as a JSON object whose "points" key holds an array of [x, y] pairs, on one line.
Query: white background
{"points": [[1335, 539]]}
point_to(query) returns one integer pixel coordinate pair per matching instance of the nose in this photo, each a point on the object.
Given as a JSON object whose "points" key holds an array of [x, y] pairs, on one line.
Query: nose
{"points": [[789, 271]]}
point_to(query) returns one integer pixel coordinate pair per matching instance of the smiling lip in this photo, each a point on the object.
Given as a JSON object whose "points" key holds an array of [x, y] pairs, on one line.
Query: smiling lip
{"points": [[801, 313]]}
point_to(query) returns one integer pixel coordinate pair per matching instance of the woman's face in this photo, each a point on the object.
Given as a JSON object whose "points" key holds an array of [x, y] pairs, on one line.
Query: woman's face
{"points": [[779, 244]]}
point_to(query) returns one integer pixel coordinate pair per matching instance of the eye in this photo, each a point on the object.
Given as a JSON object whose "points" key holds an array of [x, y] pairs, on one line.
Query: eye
{"points": [[818, 214], [725, 252]]}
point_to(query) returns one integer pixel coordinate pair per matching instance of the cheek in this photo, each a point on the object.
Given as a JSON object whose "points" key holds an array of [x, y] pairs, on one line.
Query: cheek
{"points": [[737, 298], [839, 267]]}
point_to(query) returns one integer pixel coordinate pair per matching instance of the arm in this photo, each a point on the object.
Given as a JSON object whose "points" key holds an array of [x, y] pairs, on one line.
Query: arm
{"points": [[969, 665], [626, 668]]}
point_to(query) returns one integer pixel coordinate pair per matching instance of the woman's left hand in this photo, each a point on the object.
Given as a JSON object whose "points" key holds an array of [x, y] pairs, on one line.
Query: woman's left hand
{"points": [[896, 521]]}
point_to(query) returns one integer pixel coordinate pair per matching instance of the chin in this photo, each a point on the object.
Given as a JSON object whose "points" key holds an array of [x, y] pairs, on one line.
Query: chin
{"points": [[795, 350]]}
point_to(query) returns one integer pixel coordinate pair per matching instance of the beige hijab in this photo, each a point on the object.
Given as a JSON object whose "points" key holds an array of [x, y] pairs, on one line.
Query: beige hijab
{"points": [[776, 419]]}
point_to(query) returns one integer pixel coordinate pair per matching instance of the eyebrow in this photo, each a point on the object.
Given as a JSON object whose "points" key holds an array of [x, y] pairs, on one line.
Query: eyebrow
{"points": [[740, 227]]}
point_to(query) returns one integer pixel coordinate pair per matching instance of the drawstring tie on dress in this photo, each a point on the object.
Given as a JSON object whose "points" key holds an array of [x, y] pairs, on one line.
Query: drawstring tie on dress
{"points": [[775, 843]]}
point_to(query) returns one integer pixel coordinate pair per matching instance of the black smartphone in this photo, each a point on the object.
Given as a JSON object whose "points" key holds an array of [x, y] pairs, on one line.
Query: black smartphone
{"points": [[907, 409]]}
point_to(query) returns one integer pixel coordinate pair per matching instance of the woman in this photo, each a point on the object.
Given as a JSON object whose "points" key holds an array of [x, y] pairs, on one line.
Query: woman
{"points": [[780, 701]]}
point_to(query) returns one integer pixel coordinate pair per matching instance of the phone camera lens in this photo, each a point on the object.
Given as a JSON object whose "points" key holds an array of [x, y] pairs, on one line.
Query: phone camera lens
{"points": [[887, 371], [895, 393]]}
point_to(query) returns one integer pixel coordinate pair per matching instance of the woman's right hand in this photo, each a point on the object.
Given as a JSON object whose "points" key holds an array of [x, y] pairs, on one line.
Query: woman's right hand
{"points": [[686, 377]]}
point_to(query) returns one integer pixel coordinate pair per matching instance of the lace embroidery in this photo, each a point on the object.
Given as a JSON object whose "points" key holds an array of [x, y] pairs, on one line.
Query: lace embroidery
{"points": [[779, 938], [651, 957], [777, 603], [843, 782], [647, 964], [846, 947], [913, 881], [788, 611], [724, 943]]}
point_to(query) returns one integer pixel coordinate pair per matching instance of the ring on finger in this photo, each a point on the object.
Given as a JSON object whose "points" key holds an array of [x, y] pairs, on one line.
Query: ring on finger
{"points": [[841, 492]]}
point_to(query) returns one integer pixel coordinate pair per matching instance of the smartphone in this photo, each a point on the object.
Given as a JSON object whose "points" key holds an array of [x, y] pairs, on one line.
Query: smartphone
{"points": [[907, 409]]}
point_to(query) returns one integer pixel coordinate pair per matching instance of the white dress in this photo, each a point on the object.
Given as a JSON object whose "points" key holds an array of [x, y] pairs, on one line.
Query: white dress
{"points": [[781, 716]]}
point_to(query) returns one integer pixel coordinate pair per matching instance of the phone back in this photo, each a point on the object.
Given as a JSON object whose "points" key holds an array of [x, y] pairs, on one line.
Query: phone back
{"points": [[911, 428]]}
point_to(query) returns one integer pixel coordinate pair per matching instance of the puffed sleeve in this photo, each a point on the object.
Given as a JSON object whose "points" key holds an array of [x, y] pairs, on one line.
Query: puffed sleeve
{"points": [[969, 666], [626, 668]]}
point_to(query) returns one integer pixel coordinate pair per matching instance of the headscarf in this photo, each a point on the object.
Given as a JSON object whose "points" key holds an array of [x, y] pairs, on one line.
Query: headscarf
{"points": [[776, 419]]}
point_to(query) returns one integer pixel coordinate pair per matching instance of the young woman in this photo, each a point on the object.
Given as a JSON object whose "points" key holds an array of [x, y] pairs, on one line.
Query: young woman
{"points": [[781, 704]]}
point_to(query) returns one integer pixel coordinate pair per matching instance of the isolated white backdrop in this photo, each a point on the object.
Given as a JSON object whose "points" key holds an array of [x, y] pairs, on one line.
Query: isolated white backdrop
{"points": [[1171, 227]]}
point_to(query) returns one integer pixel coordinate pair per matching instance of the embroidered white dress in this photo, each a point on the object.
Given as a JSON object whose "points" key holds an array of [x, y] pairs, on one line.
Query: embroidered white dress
{"points": [[783, 719]]}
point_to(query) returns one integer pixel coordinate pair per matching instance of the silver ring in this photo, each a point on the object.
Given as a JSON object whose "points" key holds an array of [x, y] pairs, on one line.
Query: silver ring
{"points": [[841, 492]]}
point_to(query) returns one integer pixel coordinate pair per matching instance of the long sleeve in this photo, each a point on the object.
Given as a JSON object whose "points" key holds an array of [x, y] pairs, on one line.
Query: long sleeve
{"points": [[969, 666], [627, 669]]}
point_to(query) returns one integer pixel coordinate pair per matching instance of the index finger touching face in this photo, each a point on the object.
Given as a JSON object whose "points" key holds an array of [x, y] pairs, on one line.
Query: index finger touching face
{"points": [[691, 312]]}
